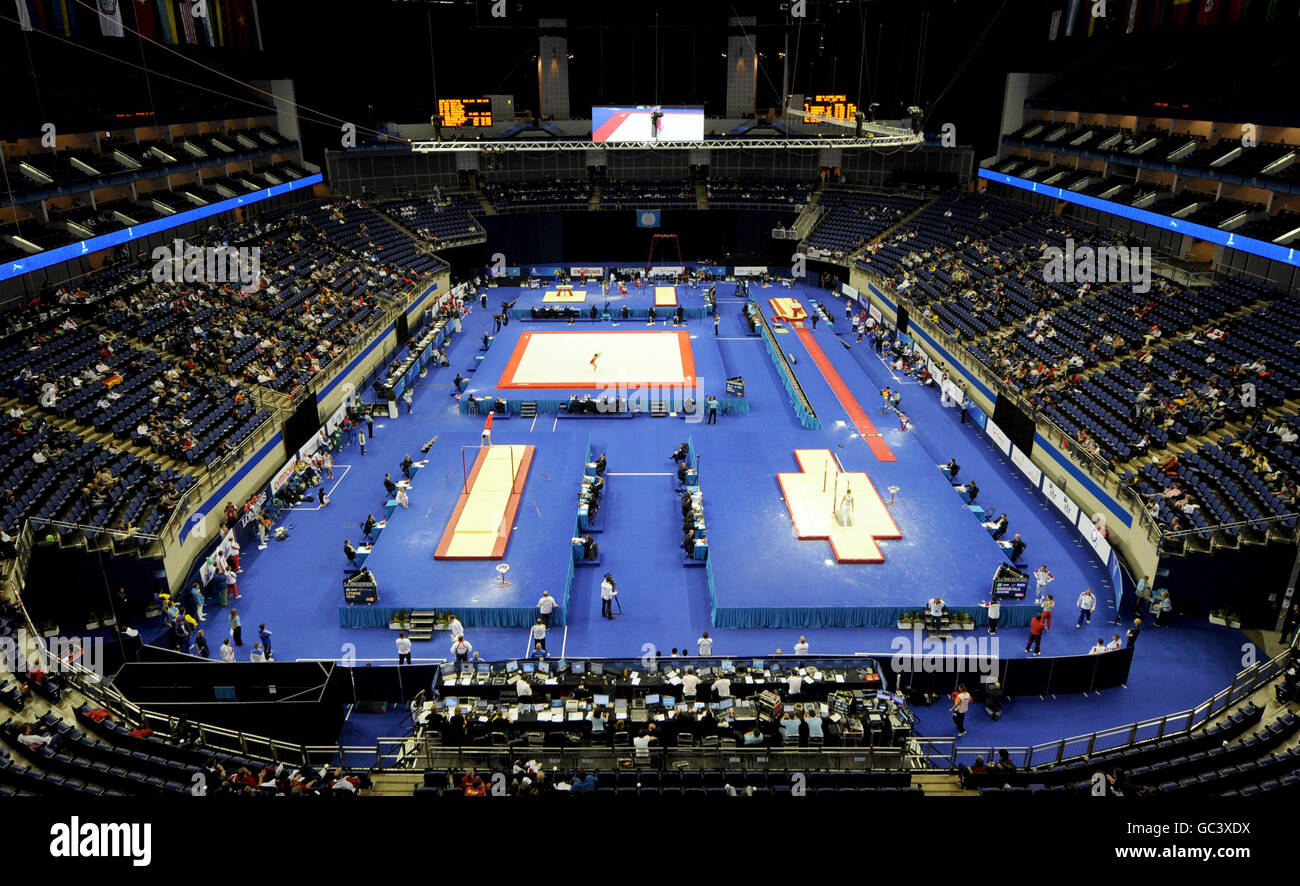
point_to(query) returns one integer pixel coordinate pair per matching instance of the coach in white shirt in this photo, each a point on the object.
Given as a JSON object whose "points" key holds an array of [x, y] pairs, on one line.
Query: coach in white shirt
{"points": [[705, 644], [227, 651], [1086, 603], [538, 635], [1099, 648], [690, 683], [607, 593], [403, 648], [546, 605], [801, 648], [461, 648], [455, 627]]}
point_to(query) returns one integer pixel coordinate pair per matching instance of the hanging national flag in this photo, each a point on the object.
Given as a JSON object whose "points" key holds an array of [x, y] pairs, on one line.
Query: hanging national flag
{"points": [[1237, 9], [647, 218], [1054, 30], [1070, 16], [1158, 10], [202, 12], [216, 20], [186, 20], [65, 17], [257, 26], [1182, 13], [241, 23], [1133, 12], [110, 18], [146, 18], [24, 14], [1208, 14], [167, 22]]}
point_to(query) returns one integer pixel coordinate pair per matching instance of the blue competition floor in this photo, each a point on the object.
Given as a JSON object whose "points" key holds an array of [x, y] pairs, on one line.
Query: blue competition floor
{"points": [[402, 559], [635, 298], [295, 585], [484, 380]]}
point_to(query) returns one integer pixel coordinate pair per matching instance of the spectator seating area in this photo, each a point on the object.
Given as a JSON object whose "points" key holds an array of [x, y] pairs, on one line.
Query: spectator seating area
{"points": [[649, 194], [852, 219], [172, 371], [758, 193], [441, 224], [1122, 373], [97, 756], [1215, 761], [539, 196], [72, 168], [675, 782], [157, 169]]}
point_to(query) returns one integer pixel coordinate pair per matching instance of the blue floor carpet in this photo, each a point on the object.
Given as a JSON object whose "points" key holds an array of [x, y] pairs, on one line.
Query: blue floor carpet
{"points": [[295, 585]]}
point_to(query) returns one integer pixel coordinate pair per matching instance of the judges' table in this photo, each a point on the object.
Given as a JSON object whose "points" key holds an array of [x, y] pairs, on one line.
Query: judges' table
{"points": [[566, 697]]}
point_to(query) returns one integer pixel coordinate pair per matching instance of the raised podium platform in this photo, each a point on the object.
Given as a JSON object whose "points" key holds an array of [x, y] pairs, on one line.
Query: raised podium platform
{"points": [[479, 528], [816, 497]]}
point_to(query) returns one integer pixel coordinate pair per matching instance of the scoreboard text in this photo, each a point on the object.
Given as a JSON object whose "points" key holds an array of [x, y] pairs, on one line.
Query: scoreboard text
{"points": [[465, 111], [837, 107]]}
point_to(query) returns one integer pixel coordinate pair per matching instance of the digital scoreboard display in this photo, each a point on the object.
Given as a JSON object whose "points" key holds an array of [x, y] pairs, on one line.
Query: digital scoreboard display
{"points": [[837, 107], [1010, 583], [465, 111]]}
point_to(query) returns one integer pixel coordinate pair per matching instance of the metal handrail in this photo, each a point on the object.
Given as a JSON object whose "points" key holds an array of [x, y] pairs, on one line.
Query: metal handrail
{"points": [[1244, 684], [924, 753]]}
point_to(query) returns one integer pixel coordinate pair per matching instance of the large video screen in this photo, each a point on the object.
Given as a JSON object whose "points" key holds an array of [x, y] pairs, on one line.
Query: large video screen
{"points": [[647, 123]]}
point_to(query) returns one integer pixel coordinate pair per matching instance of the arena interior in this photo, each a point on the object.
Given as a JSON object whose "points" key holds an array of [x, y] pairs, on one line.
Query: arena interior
{"points": [[526, 398]]}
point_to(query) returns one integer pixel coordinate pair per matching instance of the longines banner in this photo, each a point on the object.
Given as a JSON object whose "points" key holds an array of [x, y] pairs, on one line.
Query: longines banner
{"points": [[747, 271]]}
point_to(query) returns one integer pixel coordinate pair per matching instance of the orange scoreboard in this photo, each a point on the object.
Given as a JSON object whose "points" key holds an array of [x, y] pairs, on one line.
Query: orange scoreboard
{"points": [[837, 107], [465, 111]]}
